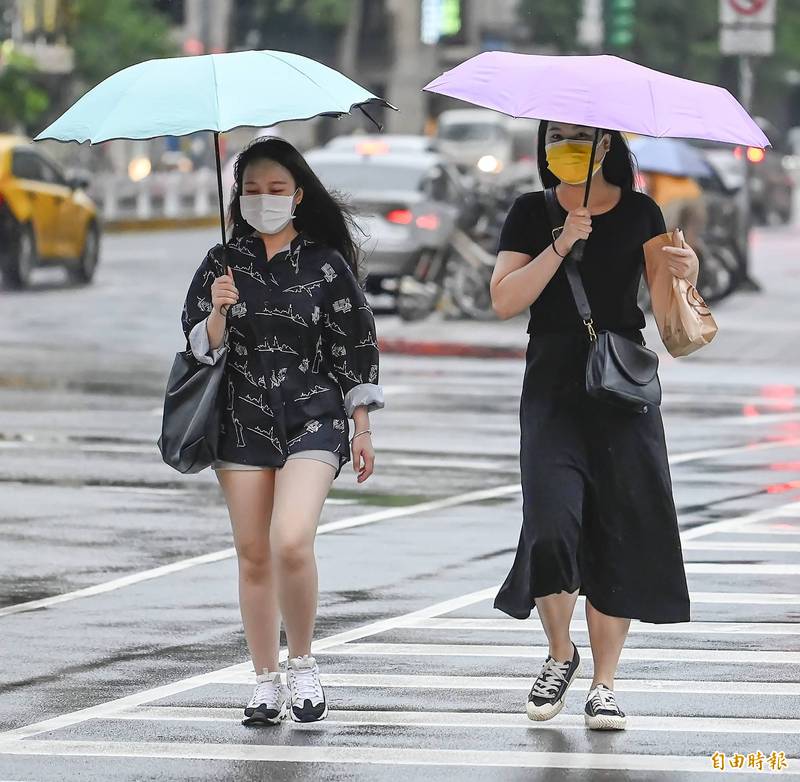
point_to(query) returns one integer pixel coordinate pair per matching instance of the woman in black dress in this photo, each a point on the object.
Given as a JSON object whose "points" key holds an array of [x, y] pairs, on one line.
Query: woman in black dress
{"points": [[302, 358], [598, 513]]}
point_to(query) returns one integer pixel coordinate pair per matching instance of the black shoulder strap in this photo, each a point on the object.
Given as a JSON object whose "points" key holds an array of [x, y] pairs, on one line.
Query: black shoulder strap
{"points": [[569, 264]]}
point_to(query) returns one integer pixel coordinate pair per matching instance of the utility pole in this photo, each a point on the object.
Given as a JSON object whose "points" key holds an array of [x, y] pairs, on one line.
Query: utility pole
{"points": [[746, 78], [413, 63], [590, 25], [746, 30]]}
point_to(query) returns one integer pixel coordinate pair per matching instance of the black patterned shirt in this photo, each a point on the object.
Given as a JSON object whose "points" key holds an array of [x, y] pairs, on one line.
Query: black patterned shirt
{"points": [[302, 350]]}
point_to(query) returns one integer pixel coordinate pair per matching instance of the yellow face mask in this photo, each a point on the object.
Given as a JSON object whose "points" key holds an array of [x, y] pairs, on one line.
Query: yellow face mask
{"points": [[569, 160]]}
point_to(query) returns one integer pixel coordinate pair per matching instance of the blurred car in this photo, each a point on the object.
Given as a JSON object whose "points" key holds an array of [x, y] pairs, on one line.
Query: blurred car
{"points": [[46, 217], [408, 205], [484, 141], [382, 143], [771, 183]]}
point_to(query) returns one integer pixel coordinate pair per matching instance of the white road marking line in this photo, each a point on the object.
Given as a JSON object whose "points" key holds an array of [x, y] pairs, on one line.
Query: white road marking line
{"points": [[713, 598], [511, 464], [753, 420], [713, 453], [732, 525], [731, 656], [520, 683], [768, 530], [745, 598], [227, 553], [461, 719], [741, 545], [580, 626], [118, 583], [143, 490], [103, 710], [356, 521], [395, 756], [393, 513], [743, 568]]}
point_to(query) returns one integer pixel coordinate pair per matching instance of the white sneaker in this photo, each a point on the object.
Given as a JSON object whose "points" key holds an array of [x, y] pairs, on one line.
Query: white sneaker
{"points": [[602, 712], [546, 698], [268, 704], [307, 695]]}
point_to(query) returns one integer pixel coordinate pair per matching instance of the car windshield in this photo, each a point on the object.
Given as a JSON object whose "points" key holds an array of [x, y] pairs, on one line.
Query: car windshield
{"points": [[471, 131], [369, 174]]}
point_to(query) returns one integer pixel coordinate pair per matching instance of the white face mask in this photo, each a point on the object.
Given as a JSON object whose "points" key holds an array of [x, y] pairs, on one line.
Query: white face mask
{"points": [[268, 214]]}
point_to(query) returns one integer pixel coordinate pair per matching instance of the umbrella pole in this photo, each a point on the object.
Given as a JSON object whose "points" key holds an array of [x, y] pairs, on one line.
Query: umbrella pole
{"points": [[219, 196], [578, 247]]}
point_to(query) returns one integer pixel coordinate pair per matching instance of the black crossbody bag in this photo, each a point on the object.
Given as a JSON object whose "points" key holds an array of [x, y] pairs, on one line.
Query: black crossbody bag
{"points": [[618, 370]]}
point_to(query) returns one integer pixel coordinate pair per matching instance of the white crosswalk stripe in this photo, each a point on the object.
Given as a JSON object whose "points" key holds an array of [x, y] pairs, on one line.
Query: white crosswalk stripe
{"points": [[356, 660]]}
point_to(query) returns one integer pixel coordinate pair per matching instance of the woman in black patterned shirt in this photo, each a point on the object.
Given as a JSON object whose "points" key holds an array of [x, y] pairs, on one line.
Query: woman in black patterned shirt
{"points": [[302, 359]]}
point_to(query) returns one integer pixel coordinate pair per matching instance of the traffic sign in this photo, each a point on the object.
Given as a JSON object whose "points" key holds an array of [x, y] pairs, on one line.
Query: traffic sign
{"points": [[747, 26]]}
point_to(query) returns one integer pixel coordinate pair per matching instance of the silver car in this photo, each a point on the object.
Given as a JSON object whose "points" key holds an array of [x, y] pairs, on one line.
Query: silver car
{"points": [[407, 207]]}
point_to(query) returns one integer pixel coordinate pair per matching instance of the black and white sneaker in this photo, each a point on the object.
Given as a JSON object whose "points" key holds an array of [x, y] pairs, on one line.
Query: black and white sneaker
{"points": [[268, 704], [546, 697], [305, 689], [601, 711]]}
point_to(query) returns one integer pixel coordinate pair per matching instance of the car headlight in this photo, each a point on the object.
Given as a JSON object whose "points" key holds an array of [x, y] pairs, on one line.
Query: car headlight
{"points": [[489, 164]]}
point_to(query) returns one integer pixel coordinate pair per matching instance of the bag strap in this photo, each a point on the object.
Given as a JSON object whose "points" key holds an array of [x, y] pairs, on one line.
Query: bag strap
{"points": [[570, 265]]}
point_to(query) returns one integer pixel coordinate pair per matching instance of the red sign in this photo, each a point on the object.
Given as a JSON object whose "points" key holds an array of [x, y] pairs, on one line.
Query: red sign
{"points": [[747, 7]]}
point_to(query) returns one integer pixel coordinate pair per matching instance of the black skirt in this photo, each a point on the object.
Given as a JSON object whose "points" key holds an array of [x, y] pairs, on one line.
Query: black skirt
{"points": [[598, 513]]}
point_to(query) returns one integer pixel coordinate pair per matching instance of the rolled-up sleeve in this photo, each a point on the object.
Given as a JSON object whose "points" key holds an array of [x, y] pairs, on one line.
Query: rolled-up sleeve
{"points": [[351, 341], [201, 347], [197, 306]]}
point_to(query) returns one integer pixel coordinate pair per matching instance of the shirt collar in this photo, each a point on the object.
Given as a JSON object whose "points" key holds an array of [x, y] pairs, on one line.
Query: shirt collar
{"points": [[298, 241]]}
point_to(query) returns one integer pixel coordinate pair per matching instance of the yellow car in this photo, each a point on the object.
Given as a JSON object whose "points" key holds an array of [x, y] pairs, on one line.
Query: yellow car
{"points": [[45, 218]]}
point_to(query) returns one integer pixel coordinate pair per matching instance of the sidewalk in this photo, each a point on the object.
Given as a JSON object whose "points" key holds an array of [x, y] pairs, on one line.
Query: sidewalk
{"points": [[764, 326]]}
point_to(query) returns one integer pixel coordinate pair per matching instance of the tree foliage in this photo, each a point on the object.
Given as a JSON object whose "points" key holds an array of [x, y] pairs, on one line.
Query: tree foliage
{"points": [[109, 35], [23, 100], [680, 37]]}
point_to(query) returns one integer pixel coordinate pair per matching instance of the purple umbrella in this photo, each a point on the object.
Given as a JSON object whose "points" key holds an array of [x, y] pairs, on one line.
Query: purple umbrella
{"points": [[600, 91]]}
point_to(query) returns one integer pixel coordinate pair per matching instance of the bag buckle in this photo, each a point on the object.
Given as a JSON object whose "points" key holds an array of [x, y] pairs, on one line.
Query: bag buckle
{"points": [[590, 328]]}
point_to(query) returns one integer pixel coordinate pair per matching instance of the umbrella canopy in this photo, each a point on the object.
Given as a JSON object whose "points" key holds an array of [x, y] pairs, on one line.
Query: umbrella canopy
{"points": [[670, 156], [216, 92], [601, 91]]}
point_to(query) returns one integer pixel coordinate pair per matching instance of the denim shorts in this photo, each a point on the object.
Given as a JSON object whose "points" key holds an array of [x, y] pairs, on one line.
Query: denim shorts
{"points": [[328, 457]]}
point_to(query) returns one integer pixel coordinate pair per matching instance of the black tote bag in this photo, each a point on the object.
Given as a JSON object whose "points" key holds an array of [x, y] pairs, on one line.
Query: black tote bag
{"points": [[190, 426]]}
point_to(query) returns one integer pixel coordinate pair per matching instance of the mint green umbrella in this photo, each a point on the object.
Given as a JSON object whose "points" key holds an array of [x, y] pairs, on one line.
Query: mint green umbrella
{"points": [[215, 92]]}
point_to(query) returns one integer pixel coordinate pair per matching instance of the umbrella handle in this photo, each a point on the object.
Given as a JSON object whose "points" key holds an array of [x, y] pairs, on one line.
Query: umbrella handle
{"points": [[577, 249]]}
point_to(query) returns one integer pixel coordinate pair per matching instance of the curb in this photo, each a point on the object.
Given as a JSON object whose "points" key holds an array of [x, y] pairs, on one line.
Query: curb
{"points": [[454, 349], [160, 224]]}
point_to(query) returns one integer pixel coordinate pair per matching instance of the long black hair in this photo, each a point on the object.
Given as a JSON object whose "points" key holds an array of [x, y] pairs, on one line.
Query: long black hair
{"points": [[619, 165], [320, 215]]}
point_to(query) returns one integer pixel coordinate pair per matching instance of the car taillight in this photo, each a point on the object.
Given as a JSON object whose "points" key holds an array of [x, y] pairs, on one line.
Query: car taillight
{"points": [[400, 216], [428, 222], [753, 154]]}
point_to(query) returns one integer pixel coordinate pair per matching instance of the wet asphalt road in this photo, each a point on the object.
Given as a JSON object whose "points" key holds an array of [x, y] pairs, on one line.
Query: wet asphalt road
{"points": [[425, 680]]}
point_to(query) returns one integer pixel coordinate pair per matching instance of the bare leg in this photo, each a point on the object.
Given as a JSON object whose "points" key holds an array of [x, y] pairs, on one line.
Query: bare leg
{"points": [[555, 611], [607, 636], [301, 487], [249, 495]]}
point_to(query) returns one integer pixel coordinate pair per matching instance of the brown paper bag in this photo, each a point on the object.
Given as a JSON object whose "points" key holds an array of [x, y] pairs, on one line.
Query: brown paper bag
{"points": [[683, 318]]}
